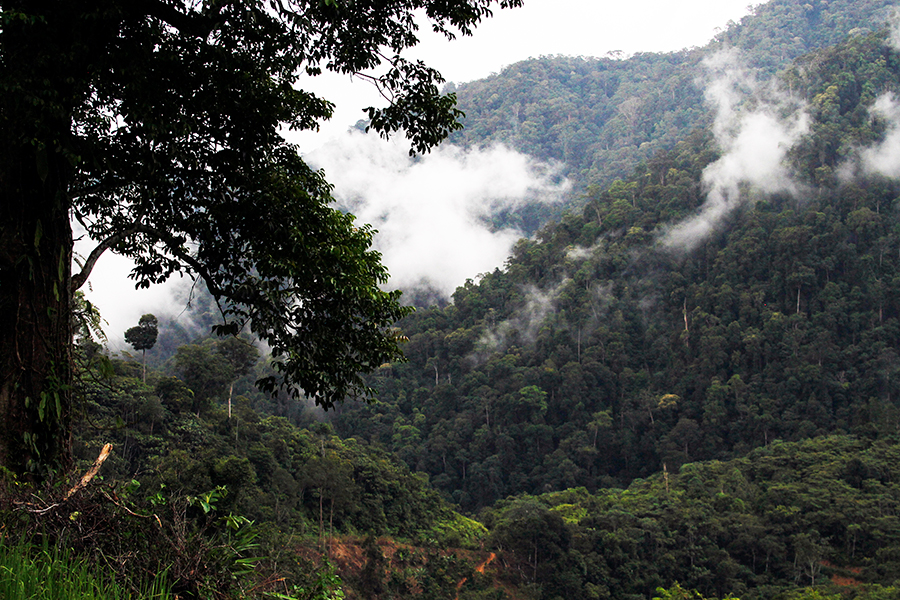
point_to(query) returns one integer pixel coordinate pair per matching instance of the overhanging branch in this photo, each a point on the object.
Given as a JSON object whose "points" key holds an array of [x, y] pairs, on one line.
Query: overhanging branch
{"points": [[98, 188], [172, 243], [79, 279]]}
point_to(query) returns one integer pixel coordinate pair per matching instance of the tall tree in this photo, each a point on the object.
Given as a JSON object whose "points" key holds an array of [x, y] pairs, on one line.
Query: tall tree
{"points": [[143, 337], [156, 125], [205, 371], [241, 356]]}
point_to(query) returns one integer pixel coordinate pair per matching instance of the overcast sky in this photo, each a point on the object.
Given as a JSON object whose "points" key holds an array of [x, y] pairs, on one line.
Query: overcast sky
{"points": [[541, 27]]}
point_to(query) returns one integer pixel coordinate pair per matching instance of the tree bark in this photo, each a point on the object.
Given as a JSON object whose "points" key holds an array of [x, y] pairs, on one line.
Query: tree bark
{"points": [[36, 377]]}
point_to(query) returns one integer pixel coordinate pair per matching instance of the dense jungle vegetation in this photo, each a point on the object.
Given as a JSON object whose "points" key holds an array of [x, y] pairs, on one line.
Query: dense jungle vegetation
{"points": [[597, 355], [601, 117], [218, 505], [604, 416]]}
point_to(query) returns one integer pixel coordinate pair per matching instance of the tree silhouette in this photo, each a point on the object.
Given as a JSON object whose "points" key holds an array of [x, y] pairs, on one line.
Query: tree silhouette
{"points": [[143, 337]]}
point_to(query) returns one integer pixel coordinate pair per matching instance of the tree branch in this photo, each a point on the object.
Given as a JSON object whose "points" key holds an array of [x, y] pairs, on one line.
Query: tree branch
{"points": [[86, 478], [173, 245], [32, 507], [79, 279], [97, 188]]}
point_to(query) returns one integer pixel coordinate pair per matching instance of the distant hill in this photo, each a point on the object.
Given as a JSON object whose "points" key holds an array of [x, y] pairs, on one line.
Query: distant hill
{"points": [[602, 116]]}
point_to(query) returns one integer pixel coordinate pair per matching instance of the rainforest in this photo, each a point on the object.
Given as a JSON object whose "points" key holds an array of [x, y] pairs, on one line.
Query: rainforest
{"points": [[682, 384]]}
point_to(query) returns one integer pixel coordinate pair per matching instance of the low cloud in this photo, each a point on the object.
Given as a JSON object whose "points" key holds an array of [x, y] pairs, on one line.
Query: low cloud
{"points": [[884, 158], [432, 212], [580, 253], [522, 327], [894, 37], [881, 158], [755, 126]]}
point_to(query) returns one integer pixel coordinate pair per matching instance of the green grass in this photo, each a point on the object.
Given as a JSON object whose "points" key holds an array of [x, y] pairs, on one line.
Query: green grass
{"points": [[29, 572]]}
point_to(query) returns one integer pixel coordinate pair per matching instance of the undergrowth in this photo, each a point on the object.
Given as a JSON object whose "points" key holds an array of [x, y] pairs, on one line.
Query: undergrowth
{"points": [[108, 541], [32, 572]]}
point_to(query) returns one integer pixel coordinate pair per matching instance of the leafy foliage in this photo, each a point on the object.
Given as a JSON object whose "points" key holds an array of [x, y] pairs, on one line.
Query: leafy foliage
{"points": [[273, 471], [143, 336], [204, 499], [158, 128], [54, 574]]}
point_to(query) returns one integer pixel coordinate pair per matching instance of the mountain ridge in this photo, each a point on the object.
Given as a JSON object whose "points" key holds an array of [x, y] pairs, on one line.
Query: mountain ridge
{"points": [[603, 116]]}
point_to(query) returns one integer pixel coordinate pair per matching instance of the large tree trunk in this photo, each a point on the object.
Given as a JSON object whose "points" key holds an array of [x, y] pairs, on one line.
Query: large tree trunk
{"points": [[35, 328], [36, 379]]}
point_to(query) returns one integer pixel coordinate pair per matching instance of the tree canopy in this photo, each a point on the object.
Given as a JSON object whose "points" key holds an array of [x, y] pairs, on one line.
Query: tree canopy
{"points": [[596, 355], [156, 125], [143, 335]]}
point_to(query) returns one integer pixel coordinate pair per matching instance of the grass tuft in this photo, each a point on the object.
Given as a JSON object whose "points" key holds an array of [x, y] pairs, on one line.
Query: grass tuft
{"points": [[30, 572]]}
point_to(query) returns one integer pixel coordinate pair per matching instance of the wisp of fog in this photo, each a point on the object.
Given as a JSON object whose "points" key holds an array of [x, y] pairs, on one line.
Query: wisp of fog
{"points": [[755, 126], [432, 212]]}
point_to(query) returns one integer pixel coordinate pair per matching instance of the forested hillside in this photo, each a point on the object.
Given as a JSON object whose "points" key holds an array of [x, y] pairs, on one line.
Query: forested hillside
{"points": [[602, 116], [689, 381], [207, 482], [600, 353], [174, 431], [787, 516]]}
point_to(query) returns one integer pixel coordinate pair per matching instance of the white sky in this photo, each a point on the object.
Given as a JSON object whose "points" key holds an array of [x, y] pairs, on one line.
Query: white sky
{"points": [[540, 27], [580, 28]]}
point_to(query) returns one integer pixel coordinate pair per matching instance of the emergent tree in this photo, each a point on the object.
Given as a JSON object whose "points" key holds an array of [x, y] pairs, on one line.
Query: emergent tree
{"points": [[143, 337], [156, 125]]}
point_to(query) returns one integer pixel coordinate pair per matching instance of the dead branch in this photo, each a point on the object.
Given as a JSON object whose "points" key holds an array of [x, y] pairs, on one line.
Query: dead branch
{"points": [[86, 478], [35, 508]]}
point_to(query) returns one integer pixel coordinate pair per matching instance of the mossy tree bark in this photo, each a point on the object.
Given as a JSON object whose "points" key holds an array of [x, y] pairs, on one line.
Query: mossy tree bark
{"points": [[36, 328]]}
